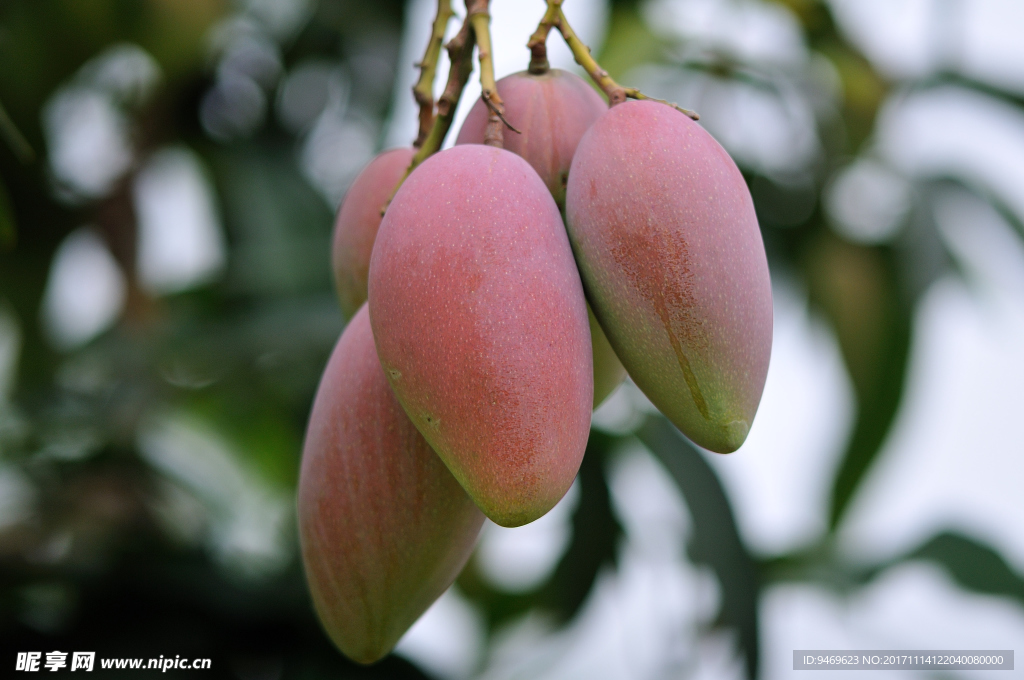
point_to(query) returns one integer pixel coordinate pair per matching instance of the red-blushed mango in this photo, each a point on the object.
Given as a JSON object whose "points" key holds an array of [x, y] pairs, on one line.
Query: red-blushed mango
{"points": [[356, 225], [384, 526], [668, 246], [481, 327], [551, 111]]}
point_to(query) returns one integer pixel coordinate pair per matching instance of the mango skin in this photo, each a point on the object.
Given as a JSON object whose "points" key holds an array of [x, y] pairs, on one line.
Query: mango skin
{"points": [[667, 243], [481, 326], [355, 227], [608, 370], [552, 111], [384, 527]]}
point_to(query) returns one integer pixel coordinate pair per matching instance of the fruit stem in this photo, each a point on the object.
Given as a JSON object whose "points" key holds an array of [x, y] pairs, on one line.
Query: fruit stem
{"points": [[581, 53], [480, 17], [634, 93], [423, 90], [460, 54], [538, 44]]}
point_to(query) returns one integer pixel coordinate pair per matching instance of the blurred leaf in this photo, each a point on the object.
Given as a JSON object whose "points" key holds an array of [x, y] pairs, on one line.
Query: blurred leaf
{"points": [[973, 565], [921, 255], [595, 538], [1012, 217], [864, 90], [498, 606], [814, 17], [259, 432], [595, 534], [280, 226], [12, 135], [959, 80], [8, 231], [857, 289], [629, 44], [716, 540]]}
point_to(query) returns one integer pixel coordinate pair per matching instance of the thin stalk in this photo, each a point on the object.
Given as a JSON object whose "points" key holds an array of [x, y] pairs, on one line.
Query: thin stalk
{"points": [[423, 90], [479, 16], [460, 53], [538, 44], [581, 53]]}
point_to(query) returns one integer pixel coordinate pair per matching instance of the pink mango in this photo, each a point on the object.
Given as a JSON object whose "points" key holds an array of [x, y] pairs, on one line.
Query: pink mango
{"points": [[481, 326], [669, 249], [383, 525], [551, 111], [356, 225]]}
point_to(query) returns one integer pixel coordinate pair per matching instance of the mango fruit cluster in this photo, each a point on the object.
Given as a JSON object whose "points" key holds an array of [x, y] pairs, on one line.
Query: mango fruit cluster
{"points": [[503, 295]]}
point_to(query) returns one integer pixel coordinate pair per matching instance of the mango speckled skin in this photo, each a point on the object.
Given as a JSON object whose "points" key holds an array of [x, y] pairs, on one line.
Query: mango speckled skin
{"points": [[384, 526], [481, 326], [551, 111], [357, 222], [668, 246]]}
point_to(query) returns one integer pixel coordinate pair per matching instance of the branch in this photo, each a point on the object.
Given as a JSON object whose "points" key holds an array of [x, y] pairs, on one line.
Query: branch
{"points": [[634, 93], [616, 93], [500, 113], [460, 53], [423, 91], [538, 44], [479, 15]]}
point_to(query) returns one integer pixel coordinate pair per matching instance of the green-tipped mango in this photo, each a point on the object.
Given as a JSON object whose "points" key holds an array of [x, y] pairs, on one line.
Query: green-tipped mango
{"points": [[384, 527], [669, 249], [481, 326], [608, 370], [356, 225]]}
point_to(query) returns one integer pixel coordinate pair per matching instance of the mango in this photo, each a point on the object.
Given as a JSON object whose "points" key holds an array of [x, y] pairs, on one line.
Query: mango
{"points": [[667, 243], [551, 112], [384, 527], [355, 227], [481, 326], [608, 370]]}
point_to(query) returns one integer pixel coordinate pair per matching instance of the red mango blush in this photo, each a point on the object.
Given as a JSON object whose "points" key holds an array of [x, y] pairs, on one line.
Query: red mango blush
{"points": [[669, 249], [481, 326]]}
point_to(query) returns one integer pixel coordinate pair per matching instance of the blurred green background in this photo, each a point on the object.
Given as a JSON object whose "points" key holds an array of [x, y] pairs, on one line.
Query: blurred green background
{"points": [[169, 173]]}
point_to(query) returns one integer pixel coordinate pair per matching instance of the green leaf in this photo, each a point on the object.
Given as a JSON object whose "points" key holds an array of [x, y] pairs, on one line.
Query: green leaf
{"points": [[947, 78], [595, 534], [858, 290], [595, 539], [1015, 220], [280, 227], [973, 565], [716, 540], [630, 42]]}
